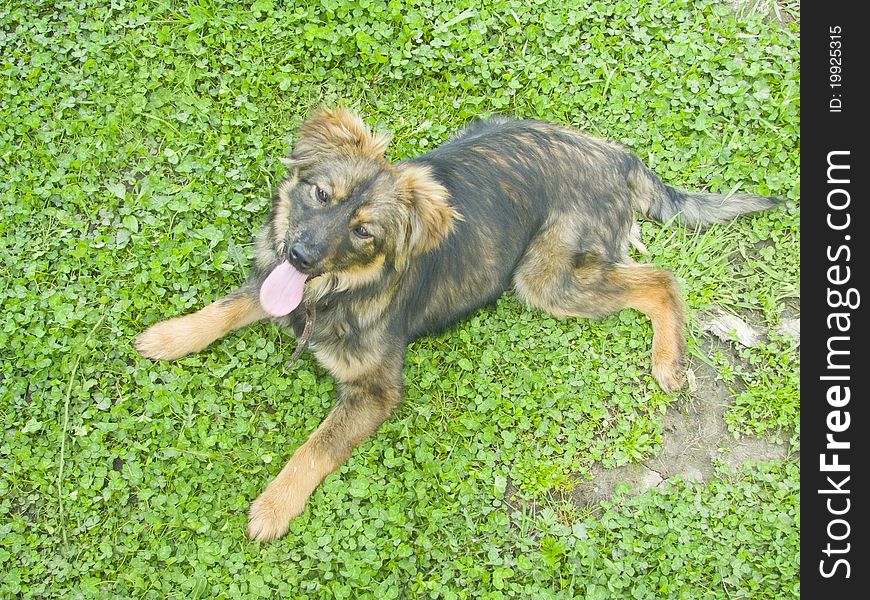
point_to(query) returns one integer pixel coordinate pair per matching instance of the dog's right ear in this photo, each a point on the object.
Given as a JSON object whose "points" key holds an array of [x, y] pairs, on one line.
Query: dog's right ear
{"points": [[335, 131]]}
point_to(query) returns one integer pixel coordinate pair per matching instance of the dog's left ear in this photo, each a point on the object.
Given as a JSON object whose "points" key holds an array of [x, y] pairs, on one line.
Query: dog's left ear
{"points": [[335, 131], [432, 215]]}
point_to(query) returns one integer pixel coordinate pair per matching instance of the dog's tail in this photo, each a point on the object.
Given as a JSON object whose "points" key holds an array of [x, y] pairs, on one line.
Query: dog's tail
{"points": [[662, 202]]}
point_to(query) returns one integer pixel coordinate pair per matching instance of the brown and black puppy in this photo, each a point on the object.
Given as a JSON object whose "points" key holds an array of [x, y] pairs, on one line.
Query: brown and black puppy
{"points": [[385, 253]]}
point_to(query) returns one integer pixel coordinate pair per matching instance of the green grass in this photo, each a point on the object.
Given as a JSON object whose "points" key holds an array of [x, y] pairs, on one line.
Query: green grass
{"points": [[139, 145]]}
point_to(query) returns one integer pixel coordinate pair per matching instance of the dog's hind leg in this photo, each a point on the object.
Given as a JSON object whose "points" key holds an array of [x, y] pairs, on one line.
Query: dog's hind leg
{"points": [[176, 337], [581, 285], [363, 405]]}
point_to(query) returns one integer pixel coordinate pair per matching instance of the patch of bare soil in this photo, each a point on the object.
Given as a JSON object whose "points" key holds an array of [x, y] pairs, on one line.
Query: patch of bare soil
{"points": [[695, 437]]}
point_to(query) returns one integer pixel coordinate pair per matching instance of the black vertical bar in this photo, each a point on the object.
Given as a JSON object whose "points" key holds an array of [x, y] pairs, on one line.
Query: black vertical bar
{"points": [[834, 425]]}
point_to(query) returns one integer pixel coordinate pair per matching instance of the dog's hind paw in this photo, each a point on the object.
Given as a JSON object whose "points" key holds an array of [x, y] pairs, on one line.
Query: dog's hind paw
{"points": [[670, 376]]}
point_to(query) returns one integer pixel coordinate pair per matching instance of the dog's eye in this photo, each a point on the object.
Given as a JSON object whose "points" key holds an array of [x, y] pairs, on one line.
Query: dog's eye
{"points": [[361, 232], [322, 196]]}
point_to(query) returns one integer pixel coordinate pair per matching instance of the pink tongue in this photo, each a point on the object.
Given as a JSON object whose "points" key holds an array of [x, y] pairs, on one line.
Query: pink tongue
{"points": [[282, 290]]}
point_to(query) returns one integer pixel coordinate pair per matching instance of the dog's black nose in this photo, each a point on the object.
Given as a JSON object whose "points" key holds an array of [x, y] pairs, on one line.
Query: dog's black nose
{"points": [[300, 256]]}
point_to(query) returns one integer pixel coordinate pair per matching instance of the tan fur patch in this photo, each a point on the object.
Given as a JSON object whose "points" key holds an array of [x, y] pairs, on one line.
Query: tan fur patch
{"points": [[344, 369], [337, 131], [360, 275], [656, 294], [544, 261], [319, 287], [432, 215]]}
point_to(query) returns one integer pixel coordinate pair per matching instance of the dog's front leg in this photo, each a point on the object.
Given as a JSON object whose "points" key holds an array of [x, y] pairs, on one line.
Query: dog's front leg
{"points": [[179, 336], [363, 405]]}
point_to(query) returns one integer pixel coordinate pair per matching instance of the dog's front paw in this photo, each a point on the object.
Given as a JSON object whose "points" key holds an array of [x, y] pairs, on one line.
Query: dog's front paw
{"points": [[171, 339], [270, 515], [161, 341]]}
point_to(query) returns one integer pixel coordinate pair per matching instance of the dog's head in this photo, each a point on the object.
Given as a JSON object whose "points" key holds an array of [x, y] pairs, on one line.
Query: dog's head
{"points": [[344, 210]]}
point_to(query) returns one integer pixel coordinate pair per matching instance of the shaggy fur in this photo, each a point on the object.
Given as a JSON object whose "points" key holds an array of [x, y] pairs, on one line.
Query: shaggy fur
{"points": [[398, 251]]}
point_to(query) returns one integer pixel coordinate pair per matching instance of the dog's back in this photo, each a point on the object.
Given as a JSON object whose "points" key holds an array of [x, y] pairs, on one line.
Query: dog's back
{"points": [[510, 180]]}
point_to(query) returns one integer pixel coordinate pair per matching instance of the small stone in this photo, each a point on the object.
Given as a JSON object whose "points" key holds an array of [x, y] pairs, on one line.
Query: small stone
{"points": [[650, 480], [692, 474], [729, 327], [691, 380], [791, 328]]}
